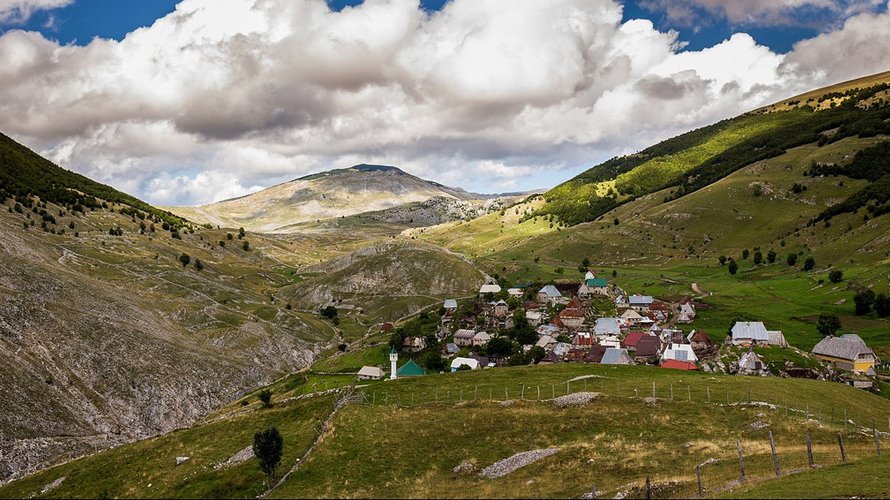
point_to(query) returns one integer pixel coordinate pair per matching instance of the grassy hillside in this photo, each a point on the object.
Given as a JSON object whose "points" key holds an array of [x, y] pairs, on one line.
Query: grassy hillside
{"points": [[384, 449], [694, 160]]}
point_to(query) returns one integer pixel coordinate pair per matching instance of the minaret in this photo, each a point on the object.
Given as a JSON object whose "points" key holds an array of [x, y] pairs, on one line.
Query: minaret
{"points": [[393, 357]]}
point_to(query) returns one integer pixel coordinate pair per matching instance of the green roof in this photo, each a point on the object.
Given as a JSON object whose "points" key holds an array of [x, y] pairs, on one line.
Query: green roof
{"points": [[410, 369], [597, 282]]}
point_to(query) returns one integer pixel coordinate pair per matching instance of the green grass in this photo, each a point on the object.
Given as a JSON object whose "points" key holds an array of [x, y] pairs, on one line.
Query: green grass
{"points": [[866, 478], [147, 469]]}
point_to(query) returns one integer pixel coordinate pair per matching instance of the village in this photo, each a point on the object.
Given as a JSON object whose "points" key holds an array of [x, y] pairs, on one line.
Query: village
{"points": [[593, 321]]}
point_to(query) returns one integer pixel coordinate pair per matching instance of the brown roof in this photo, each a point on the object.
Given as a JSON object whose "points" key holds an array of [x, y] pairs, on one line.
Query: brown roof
{"points": [[531, 304], [571, 313], [657, 306], [701, 336], [574, 303], [648, 346], [595, 354]]}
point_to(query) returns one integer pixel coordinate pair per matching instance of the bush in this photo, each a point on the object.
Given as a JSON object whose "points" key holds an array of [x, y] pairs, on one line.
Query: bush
{"points": [[758, 258], [185, 259], [245, 245], [828, 324], [771, 256], [863, 300], [791, 259], [809, 264], [267, 446], [198, 264], [835, 276], [329, 312], [882, 305], [733, 267], [265, 397]]}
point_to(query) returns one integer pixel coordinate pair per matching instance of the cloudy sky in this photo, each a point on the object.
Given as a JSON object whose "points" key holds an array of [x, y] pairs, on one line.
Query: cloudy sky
{"points": [[201, 100]]}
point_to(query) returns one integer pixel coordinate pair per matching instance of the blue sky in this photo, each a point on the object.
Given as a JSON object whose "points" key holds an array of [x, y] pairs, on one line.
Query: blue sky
{"points": [[219, 98], [82, 20]]}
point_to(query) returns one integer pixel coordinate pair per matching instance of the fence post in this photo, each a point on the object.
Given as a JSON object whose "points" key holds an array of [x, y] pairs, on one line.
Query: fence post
{"points": [[688, 394], [786, 407], [808, 412], [845, 419], [820, 415], [506, 394], [461, 400], [567, 387], [412, 399], [400, 400], [637, 390], [709, 394], [552, 391], [840, 443], [539, 393], [374, 401], [490, 389], [672, 391], [619, 389], [585, 390], [810, 451], [877, 443], [648, 488], [421, 399], [727, 396], [593, 491], [448, 397], [749, 394], [832, 416], [741, 460], [772, 445], [653, 389], [436, 394], [522, 392], [698, 474], [475, 390]]}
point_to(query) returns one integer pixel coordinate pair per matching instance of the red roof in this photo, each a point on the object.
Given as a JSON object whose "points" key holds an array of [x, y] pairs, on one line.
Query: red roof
{"points": [[657, 306], [571, 313], [530, 305], [679, 365], [584, 340], [574, 303], [633, 338], [387, 327], [557, 322]]}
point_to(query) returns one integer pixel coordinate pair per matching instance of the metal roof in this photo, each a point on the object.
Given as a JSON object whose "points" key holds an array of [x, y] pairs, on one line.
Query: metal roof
{"points": [[846, 347], [753, 330], [550, 291]]}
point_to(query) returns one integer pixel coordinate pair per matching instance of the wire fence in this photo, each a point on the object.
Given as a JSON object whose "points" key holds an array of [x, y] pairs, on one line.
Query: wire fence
{"points": [[839, 434]]}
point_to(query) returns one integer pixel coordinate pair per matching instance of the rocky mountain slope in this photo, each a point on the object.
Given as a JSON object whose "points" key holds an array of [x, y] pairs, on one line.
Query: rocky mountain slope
{"points": [[327, 195]]}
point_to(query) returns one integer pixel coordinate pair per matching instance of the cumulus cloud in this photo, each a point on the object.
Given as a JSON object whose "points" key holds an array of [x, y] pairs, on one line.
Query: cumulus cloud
{"points": [[219, 97], [18, 11]]}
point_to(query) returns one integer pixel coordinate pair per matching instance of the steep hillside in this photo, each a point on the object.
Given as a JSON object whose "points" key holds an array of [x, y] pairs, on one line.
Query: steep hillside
{"points": [[337, 193], [386, 281], [116, 324], [696, 159]]}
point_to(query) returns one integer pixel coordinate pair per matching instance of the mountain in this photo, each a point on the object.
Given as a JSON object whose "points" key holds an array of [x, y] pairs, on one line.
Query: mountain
{"points": [[696, 159], [327, 195]]}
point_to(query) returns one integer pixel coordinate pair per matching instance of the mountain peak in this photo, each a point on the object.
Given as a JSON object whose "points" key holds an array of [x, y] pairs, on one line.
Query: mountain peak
{"points": [[362, 167]]}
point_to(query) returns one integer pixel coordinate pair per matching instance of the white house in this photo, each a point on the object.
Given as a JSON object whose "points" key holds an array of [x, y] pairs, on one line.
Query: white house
{"points": [[549, 294], [749, 333], [533, 317], [464, 337], [515, 292], [451, 305], [640, 302], [589, 275], [458, 362], [607, 326], [631, 318], [489, 288], [679, 352], [610, 341], [481, 338], [370, 373]]}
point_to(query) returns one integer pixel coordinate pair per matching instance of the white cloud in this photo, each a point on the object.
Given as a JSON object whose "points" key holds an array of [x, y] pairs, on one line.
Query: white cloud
{"points": [[221, 97], [18, 11]]}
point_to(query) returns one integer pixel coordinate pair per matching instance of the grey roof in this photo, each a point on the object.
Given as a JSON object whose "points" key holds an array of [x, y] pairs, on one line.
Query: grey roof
{"points": [[550, 291], [605, 326], [614, 356], [464, 334], [450, 304], [845, 347], [640, 299], [753, 330]]}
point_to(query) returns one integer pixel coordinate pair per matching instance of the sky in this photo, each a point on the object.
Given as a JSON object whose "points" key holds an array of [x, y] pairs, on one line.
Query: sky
{"points": [[186, 103]]}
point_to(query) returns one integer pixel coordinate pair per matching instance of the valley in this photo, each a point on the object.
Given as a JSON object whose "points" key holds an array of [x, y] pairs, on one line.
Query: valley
{"points": [[150, 333]]}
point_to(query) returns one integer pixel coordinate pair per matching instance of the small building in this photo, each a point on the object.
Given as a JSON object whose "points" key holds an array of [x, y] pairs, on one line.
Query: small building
{"points": [[531, 305], [464, 337], [549, 294], [598, 286], [616, 357], [546, 342], [610, 341], [410, 369], [450, 349], [595, 354], [583, 339], [749, 333], [607, 326], [534, 318], [482, 360], [489, 288], [777, 338], [501, 309], [640, 303], [631, 318], [630, 342], [386, 327], [571, 317], [550, 358], [648, 347], [848, 352], [562, 348], [515, 292], [589, 275], [370, 373], [679, 352], [450, 305], [414, 344], [456, 363], [481, 338], [700, 341], [751, 364]]}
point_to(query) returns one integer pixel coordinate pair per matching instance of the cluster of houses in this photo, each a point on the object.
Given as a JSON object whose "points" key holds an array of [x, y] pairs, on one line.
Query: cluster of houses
{"points": [[569, 329]]}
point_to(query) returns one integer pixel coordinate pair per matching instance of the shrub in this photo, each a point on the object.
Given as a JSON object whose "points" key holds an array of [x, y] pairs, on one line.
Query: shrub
{"points": [[828, 324], [809, 264], [185, 259], [863, 300], [267, 446], [791, 259], [733, 267], [265, 397], [835, 276]]}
